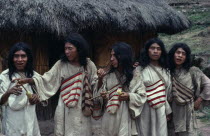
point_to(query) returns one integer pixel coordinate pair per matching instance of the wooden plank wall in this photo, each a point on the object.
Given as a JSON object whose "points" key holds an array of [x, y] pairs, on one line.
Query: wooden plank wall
{"points": [[102, 42]]}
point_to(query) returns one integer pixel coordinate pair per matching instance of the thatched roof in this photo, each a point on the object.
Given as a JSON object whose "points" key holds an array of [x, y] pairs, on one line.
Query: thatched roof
{"points": [[63, 16]]}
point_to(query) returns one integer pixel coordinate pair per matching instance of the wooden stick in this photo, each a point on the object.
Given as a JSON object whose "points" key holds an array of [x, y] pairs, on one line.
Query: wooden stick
{"points": [[22, 85], [95, 97], [98, 96]]}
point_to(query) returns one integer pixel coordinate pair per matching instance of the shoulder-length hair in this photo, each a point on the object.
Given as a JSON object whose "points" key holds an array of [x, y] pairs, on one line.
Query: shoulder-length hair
{"points": [[187, 64], [29, 65], [81, 45], [144, 56], [124, 55]]}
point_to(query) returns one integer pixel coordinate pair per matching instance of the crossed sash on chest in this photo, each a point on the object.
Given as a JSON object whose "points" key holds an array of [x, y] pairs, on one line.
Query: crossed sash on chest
{"points": [[113, 99], [182, 95], [71, 90], [113, 103], [156, 94]]}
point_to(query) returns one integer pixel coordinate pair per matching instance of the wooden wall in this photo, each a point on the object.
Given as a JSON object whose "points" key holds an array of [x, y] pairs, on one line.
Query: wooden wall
{"points": [[38, 43], [101, 43]]}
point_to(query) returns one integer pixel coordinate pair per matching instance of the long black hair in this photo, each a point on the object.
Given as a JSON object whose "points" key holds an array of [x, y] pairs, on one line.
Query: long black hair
{"points": [[187, 64], [124, 55], [144, 56], [82, 47], [29, 65]]}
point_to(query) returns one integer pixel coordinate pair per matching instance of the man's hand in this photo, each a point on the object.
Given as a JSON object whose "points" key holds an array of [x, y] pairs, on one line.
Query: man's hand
{"points": [[16, 90], [168, 117], [101, 73], [197, 103], [136, 64], [124, 96], [34, 99], [24, 80]]}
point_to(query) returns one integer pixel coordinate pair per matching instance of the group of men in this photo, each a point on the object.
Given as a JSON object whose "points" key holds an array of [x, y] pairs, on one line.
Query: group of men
{"points": [[129, 99]]}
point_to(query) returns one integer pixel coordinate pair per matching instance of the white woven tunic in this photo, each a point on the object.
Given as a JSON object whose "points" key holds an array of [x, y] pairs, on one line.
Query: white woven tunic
{"points": [[152, 121], [119, 120], [69, 121], [18, 115]]}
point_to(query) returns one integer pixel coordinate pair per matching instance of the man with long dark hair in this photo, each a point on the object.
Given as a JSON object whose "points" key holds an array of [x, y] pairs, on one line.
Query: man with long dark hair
{"points": [[19, 116], [190, 88], [76, 77], [123, 93], [153, 119]]}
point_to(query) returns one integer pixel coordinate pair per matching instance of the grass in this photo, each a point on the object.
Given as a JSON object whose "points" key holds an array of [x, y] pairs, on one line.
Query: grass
{"points": [[206, 118], [200, 16], [200, 19], [190, 37]]}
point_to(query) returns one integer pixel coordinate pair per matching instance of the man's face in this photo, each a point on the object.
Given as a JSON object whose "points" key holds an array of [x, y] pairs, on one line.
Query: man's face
{"points": [[71, 52], [179, 57], [20, 60], [114, 60], [154, 52]]}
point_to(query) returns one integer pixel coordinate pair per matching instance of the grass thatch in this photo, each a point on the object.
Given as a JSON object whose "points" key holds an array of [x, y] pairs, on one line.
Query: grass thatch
{"points": [[63, 16]]}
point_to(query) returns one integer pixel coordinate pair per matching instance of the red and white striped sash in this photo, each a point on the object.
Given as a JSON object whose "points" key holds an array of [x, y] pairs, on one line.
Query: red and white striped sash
{"points": [[113, 102], [156, 94], [70, 89]]}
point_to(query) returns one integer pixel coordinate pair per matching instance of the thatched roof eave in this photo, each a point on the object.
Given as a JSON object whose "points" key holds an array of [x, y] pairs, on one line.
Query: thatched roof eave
{"points": [[64, 16]]}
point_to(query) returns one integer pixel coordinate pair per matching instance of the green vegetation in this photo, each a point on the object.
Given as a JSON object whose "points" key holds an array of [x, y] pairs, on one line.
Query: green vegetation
{"points": [[198, 35], [205, 118], [199, 15]]}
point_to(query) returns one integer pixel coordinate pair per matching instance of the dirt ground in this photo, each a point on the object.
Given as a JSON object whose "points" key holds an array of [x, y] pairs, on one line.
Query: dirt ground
{"points": [[47, 127], [204, 126]]}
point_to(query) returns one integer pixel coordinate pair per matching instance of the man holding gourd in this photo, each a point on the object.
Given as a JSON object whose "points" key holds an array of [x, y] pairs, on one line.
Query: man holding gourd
{"points": [[18, 101]]}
